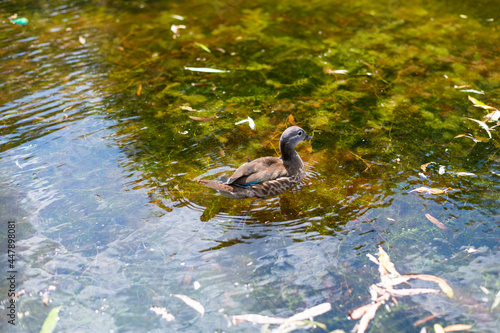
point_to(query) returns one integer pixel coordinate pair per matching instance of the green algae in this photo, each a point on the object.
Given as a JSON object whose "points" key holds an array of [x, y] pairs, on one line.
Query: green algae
{"points": [[379, 85]]}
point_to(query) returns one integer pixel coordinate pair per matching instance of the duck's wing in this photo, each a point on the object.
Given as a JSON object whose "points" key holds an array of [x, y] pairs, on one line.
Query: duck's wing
{"points": [[258, 171]]}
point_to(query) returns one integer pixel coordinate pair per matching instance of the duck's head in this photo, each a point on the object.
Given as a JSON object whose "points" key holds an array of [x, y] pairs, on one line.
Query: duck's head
{"points": [[292, 136]]}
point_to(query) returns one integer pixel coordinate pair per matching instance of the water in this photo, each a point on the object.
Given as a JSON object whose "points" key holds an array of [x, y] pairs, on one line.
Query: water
{"points": [[98, 160]]}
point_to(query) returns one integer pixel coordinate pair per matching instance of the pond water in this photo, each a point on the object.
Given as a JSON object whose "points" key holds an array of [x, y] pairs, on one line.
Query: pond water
{"points": [[107, 121]]}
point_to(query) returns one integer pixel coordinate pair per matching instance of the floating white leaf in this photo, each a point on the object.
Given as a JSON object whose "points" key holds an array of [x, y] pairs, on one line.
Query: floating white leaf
{"points": [[493, 116], [249, 120], [473, 91], [437, 223], [461, 174], [441, 282], [205, 70], [311, 312], [304, 315], [457, 327], [192, 303], [483, 125], [438, 328], [479, 104], [496, 301], [412, 292], [336, 71], [429, 190]]}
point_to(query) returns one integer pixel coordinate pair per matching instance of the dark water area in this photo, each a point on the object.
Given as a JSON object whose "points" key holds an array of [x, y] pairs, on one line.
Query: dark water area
{"points": [[111, 110]]}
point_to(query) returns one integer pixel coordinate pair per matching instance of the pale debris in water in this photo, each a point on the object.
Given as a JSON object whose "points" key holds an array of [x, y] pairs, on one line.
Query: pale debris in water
{"points": [[493, 116], [162, 312], [483, 125], [496, 301], [473, 91], [304, 315], [249, 120], [477, 103], [205, 70], [336, 71], [461, 174], [457, 327], [424, 166], [438, 328], [472, 250], [175, 29], [431, 190], [192, 303], [45, 298], [437, 223], [382, 292], [188, 108]]}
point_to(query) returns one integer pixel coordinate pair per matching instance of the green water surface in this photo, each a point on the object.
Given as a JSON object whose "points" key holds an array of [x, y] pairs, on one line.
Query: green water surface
{"points": [[111, 110]]}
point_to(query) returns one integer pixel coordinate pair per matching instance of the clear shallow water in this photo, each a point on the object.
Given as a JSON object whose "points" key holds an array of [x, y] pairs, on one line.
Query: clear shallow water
{"points": [[98, 159]]}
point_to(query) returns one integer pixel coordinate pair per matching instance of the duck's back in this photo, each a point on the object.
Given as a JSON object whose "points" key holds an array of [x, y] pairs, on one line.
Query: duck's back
{"points": [[258, 171]]}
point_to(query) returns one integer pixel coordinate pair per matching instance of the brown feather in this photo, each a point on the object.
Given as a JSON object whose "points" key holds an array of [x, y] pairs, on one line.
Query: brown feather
{"points": [[259, 170], [215, 185]]}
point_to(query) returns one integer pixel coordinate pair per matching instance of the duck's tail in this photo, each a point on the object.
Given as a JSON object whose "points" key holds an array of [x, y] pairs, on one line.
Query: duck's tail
{"points": [[215, 185], [228, 190]]}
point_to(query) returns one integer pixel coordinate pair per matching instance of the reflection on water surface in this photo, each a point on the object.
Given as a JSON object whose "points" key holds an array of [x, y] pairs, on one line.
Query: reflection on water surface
{"points": [[99, 157]]}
